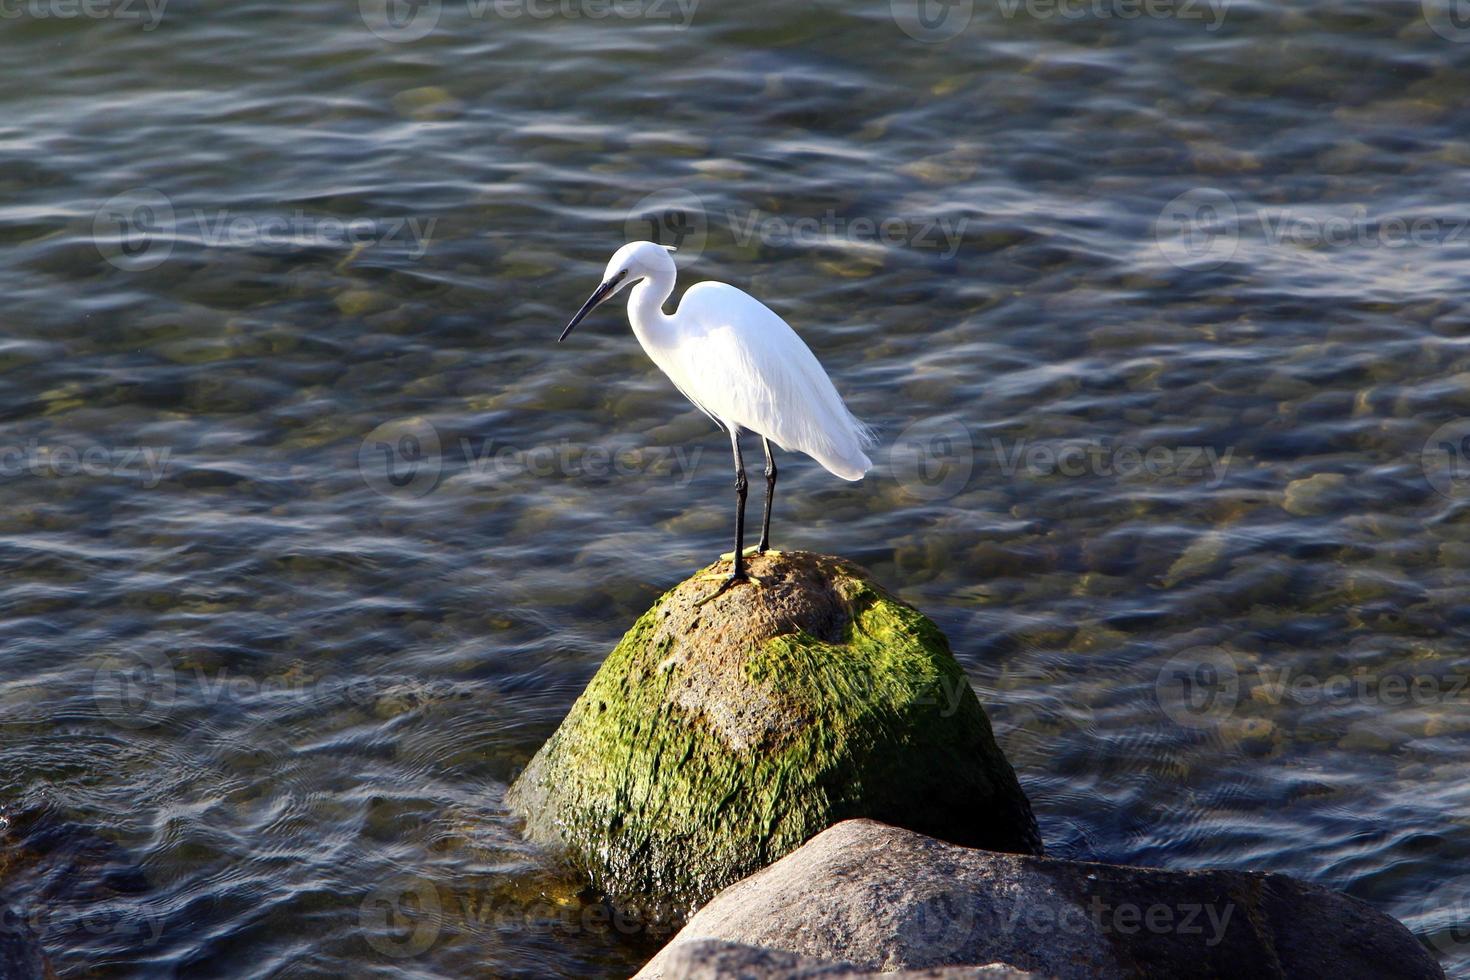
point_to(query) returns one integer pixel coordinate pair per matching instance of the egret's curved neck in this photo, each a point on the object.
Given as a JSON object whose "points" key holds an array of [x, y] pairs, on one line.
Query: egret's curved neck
{"points": [[646, 307]]}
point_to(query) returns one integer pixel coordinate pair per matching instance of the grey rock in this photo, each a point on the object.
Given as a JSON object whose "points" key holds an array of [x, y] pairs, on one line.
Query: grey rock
{"points": [[710, 959], [882, 898]]}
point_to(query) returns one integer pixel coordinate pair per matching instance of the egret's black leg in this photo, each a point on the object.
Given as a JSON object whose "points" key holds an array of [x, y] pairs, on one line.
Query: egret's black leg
{"points": [[740, 487], [738, 575], [765, 542]]}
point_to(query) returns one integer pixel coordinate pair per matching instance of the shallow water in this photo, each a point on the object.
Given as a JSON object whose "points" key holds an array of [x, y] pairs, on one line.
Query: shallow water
{"points": [[313, 533]]}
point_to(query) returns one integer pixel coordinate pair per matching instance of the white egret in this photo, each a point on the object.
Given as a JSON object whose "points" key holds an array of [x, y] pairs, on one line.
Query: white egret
{"points": [[741, 365]]}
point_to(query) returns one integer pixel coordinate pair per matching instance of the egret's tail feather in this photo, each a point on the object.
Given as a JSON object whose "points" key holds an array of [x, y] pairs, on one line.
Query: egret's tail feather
{"points": [[867, 436], [849, 469], [845, 457], [852, 468]]}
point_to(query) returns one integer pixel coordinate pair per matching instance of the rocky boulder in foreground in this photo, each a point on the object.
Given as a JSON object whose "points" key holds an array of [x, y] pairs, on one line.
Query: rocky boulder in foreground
{"points": [[865, 897], [710, 959], [717, 738]]}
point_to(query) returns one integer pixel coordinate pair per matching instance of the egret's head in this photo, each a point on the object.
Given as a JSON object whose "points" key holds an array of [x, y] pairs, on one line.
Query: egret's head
{"points": [[632, 262]]}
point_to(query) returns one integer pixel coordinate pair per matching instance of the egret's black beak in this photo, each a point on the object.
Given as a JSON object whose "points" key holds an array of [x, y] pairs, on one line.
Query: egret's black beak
{"points": [[599, 296]]}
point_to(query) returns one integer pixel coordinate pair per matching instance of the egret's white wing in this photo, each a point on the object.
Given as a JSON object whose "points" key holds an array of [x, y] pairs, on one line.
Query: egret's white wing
{"points": [[743, 365]]}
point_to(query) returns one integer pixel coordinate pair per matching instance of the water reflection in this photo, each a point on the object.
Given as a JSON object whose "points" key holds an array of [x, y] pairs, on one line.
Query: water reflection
{"points": [[312, 534]]}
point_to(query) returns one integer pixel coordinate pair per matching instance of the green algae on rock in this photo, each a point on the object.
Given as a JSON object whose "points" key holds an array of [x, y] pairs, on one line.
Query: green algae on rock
{"points": [[717, 738]]}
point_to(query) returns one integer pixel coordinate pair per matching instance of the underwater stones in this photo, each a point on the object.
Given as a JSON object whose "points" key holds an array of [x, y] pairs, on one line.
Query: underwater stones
{"points": [[1319, 494], [428, 102], [363, 302], [1202, 556]]}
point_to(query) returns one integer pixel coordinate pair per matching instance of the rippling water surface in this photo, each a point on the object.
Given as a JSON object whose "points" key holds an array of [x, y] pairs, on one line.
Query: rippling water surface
{"points": [[312, 533]]}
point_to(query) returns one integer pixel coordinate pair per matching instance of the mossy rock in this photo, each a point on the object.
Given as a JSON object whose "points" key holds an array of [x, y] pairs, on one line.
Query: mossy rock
{"points": [[717, 738]]}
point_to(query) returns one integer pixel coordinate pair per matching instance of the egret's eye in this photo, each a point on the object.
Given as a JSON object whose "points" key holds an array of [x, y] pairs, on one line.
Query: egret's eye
{"points": [[620, 276]]}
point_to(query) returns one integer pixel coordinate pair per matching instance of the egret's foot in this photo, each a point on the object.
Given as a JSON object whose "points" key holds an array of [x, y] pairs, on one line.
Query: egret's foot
{"points": [[747, 550], [724, 587]]}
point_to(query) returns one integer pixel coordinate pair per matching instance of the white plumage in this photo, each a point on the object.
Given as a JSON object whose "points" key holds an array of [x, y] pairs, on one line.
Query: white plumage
{"points": [[740, 364]]}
